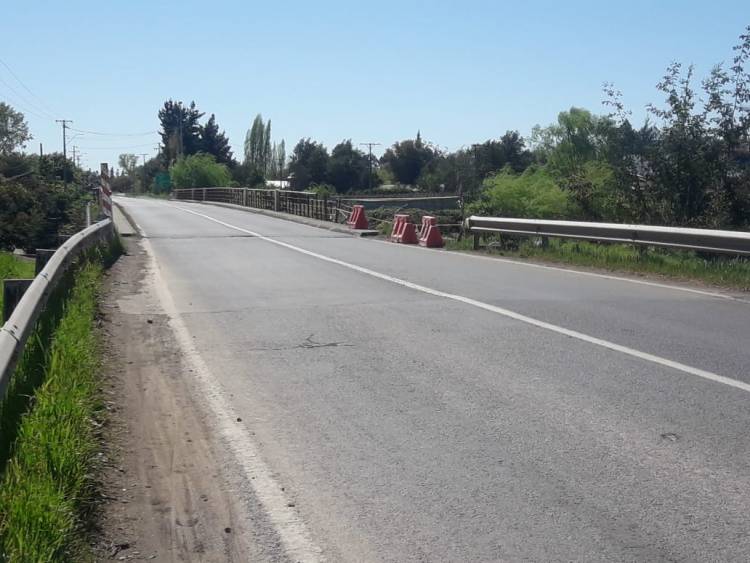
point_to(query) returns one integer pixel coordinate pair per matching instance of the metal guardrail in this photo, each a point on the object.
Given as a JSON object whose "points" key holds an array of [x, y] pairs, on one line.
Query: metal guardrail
{"points": [[16, 331], [724, 242]]}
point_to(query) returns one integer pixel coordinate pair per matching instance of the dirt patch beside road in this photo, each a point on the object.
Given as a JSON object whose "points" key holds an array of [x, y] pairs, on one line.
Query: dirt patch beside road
{"points": [[170, 493]]}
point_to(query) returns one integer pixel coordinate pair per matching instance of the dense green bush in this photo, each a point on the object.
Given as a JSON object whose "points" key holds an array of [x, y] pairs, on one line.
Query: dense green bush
{"points": [[532, 194], [322, 190], [199, 171], [36, 207]]}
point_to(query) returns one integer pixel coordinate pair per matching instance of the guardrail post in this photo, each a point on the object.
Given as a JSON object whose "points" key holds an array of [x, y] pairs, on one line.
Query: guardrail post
{"points": [[276, 200], [476, 241], [244, 197], [203, 196], [42, 257], [13, 290]]}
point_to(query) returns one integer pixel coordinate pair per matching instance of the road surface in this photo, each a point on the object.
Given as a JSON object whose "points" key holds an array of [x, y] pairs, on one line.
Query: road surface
{"points": [[420, 405]]}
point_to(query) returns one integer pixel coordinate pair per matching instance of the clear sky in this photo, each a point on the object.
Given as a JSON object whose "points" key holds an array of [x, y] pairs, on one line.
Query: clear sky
{"points": [[460, 72]]}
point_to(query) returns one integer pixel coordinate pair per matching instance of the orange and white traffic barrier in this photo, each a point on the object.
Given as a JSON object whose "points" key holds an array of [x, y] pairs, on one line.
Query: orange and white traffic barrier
{"points": [[357, 218], [430, 235]]}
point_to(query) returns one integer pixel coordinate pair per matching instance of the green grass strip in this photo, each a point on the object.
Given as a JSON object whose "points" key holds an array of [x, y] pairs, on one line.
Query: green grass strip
{"points": [[48, 482], [14, 267], [723, 271]]}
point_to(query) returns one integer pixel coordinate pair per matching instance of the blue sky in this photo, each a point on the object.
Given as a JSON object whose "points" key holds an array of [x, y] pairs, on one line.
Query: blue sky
{"points": [[460, 72]]}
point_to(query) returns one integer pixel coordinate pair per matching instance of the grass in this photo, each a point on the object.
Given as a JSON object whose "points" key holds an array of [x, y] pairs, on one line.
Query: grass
{"points": [[727, 271], [48, 477], [14, 267]]}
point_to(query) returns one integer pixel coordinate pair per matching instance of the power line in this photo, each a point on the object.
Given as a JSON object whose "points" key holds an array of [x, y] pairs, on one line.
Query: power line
{"points": [[118, 148], [27, 102], [24, 109], [43, 103], [114, 134]]}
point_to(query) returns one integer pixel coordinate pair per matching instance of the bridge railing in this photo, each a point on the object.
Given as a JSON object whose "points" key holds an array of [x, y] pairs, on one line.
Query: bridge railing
{"points": [[708, 240], [306, 204], [303, 204], [22, 321]]}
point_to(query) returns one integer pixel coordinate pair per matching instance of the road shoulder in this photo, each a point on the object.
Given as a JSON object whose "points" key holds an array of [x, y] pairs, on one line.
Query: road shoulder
{"points": [[169, 493]]}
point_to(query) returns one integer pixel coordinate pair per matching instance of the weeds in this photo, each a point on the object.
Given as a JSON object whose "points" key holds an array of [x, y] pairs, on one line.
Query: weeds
{"points": [[49, 427], [722, 271]]}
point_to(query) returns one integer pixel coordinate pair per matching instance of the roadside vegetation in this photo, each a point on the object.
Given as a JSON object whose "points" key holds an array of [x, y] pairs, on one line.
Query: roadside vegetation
{"points": [[680, 265], [41, 197], [49, 423]]}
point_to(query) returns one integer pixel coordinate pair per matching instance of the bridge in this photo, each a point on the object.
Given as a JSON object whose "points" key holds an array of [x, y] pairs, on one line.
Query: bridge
{"points": [[377, 401]]}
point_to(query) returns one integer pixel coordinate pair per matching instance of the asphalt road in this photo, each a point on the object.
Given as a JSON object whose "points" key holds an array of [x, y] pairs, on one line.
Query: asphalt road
{"points": [[458, 419]]}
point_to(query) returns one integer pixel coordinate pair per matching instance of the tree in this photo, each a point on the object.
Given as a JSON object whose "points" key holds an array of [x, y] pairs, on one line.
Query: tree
{"points": [[215, 142], [128, 163], [278, 159], [199, 171], [258, 144], [406, 159], [266, 157], [309, 164], [14, 132], [347, 167], [180, 130]]}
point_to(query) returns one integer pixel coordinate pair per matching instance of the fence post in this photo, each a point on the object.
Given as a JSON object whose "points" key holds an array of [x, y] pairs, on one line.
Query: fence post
{"points": [[203, 196], [13, 290], [276, 200], [42, 257], [244, 197]]}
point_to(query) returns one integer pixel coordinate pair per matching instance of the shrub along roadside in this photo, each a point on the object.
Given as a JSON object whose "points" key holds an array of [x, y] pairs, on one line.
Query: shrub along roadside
{"points": [[48, 481], [718, 270]]}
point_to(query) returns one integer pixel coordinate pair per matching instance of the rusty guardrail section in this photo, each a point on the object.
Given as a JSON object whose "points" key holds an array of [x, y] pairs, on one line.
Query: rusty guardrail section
{"points": [[708, 240], [17, 329]]}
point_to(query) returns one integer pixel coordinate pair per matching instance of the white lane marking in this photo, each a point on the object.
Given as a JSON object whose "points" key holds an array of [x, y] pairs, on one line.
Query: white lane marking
{"points": [[715, 294], [294, 535], [494, 309]]}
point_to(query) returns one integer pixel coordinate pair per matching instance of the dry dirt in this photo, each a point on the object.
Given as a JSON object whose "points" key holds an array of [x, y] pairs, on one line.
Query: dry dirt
{"points": [[168, 492]]}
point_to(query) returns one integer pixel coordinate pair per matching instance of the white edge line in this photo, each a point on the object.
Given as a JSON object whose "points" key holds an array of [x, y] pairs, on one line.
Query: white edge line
{"points": [[494, 309], [563, 269], [292, 531]]}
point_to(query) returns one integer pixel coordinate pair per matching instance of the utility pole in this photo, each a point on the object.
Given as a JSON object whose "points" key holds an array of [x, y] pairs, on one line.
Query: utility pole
{"points": [[369, 160], [180, 137], [41, 151], [65, 149], [144, 171]]}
